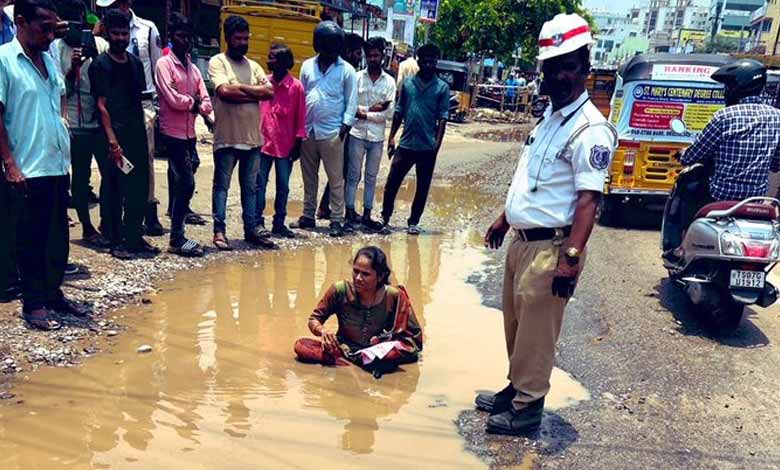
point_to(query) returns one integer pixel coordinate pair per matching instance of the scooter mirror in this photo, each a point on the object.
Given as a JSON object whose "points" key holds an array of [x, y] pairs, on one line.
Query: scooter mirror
{"points": [[678, 126]]}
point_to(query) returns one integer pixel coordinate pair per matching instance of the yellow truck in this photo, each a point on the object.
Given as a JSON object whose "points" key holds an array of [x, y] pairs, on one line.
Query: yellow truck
{"points": [[291, 22]]}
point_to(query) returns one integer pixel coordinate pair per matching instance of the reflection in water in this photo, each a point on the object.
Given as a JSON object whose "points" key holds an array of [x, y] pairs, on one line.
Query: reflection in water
{"points": [[221, 389]]}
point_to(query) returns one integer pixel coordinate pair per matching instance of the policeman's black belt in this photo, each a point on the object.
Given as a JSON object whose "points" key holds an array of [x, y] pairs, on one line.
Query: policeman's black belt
{"points": [[539, 234]]}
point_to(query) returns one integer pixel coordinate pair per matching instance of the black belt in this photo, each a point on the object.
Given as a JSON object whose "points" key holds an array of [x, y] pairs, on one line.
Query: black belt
{"points": [[539, 234]]}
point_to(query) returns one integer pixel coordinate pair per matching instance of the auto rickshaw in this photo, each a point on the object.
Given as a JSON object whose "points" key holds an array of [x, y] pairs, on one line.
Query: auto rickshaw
{"points": [[601, 87], [456, 74], [651, 91]]}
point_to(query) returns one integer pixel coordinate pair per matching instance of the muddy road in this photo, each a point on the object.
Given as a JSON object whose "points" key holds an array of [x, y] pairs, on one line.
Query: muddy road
{"points": [[639, 385]]}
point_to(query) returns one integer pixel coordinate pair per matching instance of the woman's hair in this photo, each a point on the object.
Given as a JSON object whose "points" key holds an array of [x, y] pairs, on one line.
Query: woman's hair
{"points": [[379, 263]]}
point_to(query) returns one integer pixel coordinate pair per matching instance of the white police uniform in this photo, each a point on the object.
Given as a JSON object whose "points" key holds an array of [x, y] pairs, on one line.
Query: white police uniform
{"points": [[569, 151]]}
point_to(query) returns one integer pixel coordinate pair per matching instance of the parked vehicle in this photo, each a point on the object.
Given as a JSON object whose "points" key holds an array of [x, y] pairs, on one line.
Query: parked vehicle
{"points": [[456, 74], [291, 22], [601, 87], [651, 91]]}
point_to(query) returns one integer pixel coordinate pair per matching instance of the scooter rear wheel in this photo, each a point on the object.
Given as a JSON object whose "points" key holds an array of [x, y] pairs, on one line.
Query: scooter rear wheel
{"points": [[723, 319]]}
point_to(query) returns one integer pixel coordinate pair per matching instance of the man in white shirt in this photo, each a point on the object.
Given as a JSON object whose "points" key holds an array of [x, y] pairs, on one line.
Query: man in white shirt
{"points": [[551, 206], [146, 44], [376, 93]]}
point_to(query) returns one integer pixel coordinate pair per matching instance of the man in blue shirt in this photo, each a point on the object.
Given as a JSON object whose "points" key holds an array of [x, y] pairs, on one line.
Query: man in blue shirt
{"points": [[330, 84], [423, 108], [9, 274], [35, 151]]}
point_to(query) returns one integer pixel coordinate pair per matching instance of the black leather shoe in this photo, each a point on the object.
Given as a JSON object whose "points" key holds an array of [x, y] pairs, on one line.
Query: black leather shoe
{"points": [[516, 423], [304, 223], [336, 230], [495, 403], [10, 294]]}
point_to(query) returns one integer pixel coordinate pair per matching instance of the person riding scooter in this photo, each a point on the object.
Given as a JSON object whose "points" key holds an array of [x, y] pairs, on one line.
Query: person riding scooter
{"points": [[738, 148]]}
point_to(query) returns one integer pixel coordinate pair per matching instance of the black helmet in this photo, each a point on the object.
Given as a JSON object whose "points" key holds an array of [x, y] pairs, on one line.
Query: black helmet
{"points": [[745, 76], [328, 36]]}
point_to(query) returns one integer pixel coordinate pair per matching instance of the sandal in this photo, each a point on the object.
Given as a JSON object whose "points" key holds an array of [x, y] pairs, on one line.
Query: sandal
{"points": [[97, 240], [221, 242], [40, 319], [189, 249]]}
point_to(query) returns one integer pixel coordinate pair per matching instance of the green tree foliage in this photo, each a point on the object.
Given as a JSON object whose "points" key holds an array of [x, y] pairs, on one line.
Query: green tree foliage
{"points": [[500, 26]]}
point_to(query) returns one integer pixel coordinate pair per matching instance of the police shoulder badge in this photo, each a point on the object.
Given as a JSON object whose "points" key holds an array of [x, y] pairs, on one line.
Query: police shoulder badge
{"points": [[599, 157]]}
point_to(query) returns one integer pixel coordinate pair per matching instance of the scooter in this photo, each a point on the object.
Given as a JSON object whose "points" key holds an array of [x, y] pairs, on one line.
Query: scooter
{"points": [[725, 255]]}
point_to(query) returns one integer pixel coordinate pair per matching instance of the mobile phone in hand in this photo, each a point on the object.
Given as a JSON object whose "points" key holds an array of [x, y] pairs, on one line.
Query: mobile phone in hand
{"points": [[126, 165]]}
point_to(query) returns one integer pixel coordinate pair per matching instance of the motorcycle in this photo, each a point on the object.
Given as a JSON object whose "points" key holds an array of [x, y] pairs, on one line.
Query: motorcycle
{"points": [[726, 253]]}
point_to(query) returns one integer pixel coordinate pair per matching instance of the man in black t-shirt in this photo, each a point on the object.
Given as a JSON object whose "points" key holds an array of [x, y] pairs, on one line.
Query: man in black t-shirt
{"points": [[118, 84]]}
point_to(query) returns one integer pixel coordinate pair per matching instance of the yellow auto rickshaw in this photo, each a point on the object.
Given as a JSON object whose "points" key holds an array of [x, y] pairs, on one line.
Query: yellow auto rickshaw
{"points": [[652, 91], [601, 87], [456, 74]]}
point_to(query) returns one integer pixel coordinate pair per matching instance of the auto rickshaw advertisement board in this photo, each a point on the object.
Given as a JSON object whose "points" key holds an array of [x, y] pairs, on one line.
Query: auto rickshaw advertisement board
{"points": [[648, 108]]}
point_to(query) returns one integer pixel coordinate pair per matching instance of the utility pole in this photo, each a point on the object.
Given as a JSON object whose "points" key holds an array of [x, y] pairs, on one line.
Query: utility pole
{"points": [[716, 20]]}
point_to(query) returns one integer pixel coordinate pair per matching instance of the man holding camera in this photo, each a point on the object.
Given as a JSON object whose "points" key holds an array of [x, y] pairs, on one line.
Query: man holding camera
{"points": [[73, 55]]}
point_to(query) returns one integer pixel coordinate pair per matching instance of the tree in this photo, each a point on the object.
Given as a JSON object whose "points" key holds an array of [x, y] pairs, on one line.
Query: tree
{"points": [[721, 44], [496, 26]]}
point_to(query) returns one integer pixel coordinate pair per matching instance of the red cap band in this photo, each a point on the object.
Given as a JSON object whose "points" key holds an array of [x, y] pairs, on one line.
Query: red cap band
{"points": [[560, 38]]}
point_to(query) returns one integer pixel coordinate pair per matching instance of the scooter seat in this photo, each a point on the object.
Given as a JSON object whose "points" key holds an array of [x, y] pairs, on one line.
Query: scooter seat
{"points": [[752, 211]]}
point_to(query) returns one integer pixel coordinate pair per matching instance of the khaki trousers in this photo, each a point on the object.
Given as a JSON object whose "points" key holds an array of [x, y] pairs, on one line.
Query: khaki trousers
{"points": [[150, 116], [331, 153], [532, 317]]}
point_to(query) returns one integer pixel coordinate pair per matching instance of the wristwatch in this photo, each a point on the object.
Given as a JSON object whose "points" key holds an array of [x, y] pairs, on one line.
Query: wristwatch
{"points": [[572, 255]]}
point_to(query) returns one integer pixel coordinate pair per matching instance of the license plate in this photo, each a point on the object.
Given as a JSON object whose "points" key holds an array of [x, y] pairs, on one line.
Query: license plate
{"points": [[747, 279]]}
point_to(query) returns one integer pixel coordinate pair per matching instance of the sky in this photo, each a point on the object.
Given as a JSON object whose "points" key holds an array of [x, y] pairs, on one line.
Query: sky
{"points": [[611, 4]]}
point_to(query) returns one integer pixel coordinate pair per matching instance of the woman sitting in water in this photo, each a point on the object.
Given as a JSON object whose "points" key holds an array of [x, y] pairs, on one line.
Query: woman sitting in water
{"points": [[377, 327]]}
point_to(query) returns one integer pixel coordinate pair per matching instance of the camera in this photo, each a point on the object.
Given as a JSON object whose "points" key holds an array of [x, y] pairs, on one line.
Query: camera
{"points": [[80, 36]]}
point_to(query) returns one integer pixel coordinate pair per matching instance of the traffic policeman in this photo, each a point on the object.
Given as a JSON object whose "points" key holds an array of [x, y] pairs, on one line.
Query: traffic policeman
{"points": [[146, 44], [551, 208]]}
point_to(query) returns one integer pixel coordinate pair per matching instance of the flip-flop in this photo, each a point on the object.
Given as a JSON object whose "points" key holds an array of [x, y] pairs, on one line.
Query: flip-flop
{"points": [[190, 249], [222, 243], [41, 322]]}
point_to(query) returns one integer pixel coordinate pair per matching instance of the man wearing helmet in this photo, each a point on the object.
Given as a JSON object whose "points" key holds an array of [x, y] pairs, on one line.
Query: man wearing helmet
{"points": [[551, 206], [741, 144], [330, 84]]}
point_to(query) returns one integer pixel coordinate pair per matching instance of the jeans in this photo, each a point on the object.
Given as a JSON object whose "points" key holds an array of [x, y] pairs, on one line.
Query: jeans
{"points": [[172, 180], [125, 196], [43, 240], [372, 151], [225, 160], [182, 155], [403, 161], [284, 168], [84, 146]]}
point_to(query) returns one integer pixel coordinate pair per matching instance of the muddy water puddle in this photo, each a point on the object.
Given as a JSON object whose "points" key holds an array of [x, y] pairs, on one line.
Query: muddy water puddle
{"points": [[221, 390]]}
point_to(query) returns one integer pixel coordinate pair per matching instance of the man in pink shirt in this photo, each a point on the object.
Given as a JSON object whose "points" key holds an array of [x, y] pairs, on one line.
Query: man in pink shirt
{"points": [[283, 128], [183, 97]]}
